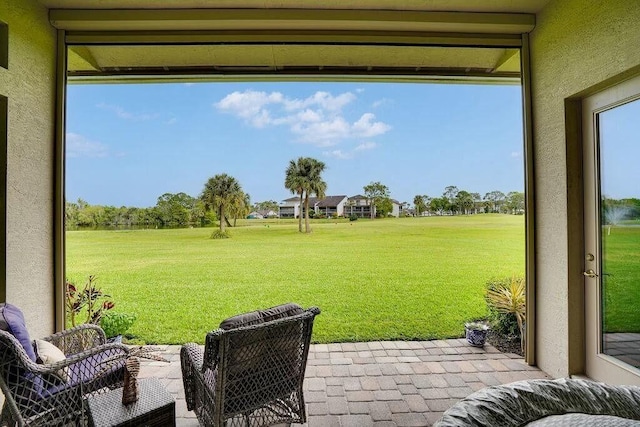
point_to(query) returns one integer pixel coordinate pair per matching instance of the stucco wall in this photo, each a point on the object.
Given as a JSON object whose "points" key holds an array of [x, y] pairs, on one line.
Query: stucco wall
{"points": [[29, 84], [576, 46]]}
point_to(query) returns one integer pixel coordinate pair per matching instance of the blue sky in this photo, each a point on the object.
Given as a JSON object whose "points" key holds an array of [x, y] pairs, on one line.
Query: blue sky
{"points": [[620, 151], [129, 144]]}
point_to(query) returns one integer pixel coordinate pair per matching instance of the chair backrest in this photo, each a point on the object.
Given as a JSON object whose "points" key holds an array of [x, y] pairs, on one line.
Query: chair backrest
{"points": [[260, 363], [18, 382], [12, 321]]}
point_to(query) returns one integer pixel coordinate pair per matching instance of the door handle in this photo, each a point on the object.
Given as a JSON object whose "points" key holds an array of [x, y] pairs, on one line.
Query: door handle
{"points": [[590, 273]]}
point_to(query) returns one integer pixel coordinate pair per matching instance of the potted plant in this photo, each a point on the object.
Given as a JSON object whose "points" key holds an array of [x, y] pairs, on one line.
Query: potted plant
{"points": [[476, 333]]}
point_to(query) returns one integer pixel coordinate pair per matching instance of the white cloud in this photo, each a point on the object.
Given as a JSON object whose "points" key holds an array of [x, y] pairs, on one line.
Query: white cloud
{"points": [[381, 102], [366, 128], [317, 119], [172, 121], [126, 115], [323, 133], [250, 105], [516, 154], [329, 102], [338, 154], [366, 146], [344, 155], [79, 146]]}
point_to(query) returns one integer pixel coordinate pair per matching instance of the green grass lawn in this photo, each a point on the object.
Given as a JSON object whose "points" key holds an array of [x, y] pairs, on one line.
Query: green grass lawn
{"points": [[408, 278], [621, 266]]}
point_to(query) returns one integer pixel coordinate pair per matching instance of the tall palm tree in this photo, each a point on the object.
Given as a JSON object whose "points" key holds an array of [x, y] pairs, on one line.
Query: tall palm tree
{"points": [[219, 193], [294, 181], [240, 206], [418, 202], [304, 177], [313, 184]]}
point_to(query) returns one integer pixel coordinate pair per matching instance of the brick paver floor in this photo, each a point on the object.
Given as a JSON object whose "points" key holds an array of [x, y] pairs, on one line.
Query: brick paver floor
{"points": [[389, 383], [623, 346]]}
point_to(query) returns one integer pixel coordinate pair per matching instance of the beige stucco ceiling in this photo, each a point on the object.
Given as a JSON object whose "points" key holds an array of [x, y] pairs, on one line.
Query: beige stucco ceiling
{"points": [[320, 59], [494, 6], [332, 37]]}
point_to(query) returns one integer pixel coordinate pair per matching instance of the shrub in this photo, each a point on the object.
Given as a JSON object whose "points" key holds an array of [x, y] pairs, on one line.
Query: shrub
{"points": [[506, 302], [220, 234], [115, 324], [353, 217], [86, 305]]}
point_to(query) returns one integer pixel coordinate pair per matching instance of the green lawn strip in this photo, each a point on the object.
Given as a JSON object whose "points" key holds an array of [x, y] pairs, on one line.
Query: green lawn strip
{"points": [[622, 279], [408, 278]]}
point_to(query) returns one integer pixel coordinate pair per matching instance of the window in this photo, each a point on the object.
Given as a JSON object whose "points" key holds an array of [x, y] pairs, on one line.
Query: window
{"points": [[4, 45]]}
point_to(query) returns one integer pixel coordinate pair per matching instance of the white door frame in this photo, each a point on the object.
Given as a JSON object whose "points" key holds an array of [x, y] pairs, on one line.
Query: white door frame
{"points": [[598, 365]]}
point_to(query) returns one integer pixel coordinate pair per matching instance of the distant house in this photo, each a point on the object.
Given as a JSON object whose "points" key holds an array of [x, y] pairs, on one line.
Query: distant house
{"points": [[289, 208], [268, 213], [359, 206], [328, 206], [396, 208], [255, 215]]}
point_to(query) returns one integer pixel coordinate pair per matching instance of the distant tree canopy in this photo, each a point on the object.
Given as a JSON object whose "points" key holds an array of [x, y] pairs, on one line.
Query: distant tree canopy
{"points": [[303, 177], [171, 210], [223, 194], [461, 202], [379, 197], [268, 205]]}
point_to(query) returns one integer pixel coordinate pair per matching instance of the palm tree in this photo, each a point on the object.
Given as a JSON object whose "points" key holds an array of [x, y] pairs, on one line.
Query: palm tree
{"points": [[313, 184], [293, 181], [418, 202], [219, 193], [304, 177], [240, 206]]}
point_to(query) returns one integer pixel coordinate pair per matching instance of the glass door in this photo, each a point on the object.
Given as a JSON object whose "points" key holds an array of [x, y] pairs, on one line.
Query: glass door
{"points": [[611, 130]]}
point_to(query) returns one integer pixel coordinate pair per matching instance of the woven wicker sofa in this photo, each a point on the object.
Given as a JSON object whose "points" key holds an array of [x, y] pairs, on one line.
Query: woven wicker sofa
{"points": [[547, 403], [251, 370]]}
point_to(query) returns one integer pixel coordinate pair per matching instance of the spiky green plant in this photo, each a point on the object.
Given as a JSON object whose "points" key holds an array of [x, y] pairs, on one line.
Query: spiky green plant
{"points": [[510, 298]]}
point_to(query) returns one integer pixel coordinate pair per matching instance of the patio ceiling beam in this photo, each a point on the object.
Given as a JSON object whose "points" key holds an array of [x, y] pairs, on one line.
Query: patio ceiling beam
{"points": [[82, 55], [290, 19], [300, 37]]}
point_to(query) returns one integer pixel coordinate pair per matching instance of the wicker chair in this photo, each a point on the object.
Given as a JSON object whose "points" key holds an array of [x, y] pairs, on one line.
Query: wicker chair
{"points": [[251, 370], [35, 394]]}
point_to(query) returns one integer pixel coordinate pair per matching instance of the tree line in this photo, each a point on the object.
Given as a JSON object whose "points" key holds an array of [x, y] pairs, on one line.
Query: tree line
{"points": [[171, 210], [461, 202], [223, 201]]}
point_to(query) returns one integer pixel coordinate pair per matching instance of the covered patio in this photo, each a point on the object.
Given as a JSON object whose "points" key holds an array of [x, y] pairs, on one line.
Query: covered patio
{"points": [[381, 383], [575, 60]]}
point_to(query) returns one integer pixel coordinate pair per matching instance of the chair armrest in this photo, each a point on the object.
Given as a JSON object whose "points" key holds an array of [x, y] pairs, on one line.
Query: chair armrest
{"points": [[112, 353], [191, 360], [78, 339]]}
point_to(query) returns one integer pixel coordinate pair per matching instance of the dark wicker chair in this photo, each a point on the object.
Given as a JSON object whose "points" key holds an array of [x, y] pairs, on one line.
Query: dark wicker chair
{"points": [[36, 395], [250, 375]]}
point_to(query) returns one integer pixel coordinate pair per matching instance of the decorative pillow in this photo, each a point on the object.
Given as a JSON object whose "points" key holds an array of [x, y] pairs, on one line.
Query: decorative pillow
{"points": [[247, 319], [261, 316], [48, 353], [281, 311], [12, 321]]}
